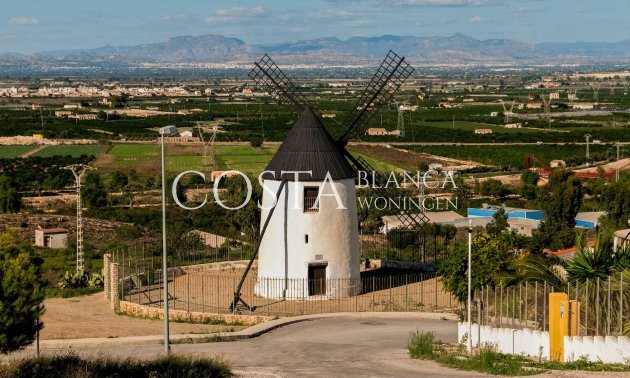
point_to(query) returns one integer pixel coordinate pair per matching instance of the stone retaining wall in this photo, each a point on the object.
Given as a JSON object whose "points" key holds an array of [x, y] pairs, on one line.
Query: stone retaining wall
{"points": [[186, 316]]}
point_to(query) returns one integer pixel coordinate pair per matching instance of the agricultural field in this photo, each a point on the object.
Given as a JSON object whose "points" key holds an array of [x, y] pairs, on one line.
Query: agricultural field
{"points": [[514, 156], [386, 159], [244, 158], [145, 158], [471, 126], [11, 152], [75, 150]]}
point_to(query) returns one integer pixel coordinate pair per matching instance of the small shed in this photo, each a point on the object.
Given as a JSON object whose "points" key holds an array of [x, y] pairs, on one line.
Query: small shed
{"points": [[51, 237]]}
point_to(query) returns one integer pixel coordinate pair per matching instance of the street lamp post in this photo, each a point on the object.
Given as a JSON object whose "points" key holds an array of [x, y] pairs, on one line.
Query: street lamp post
{"points": [[165, 131], [469, 318]]}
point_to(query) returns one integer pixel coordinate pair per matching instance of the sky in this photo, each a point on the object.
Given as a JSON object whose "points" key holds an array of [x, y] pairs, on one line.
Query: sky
{"points": [[28, 26]]}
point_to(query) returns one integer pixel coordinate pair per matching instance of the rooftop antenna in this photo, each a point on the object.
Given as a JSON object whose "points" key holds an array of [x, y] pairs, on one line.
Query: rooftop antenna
{"points": [[78, 170]]}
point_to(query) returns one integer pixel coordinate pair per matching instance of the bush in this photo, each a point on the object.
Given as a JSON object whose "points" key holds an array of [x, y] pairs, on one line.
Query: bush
{"points": [[80, 279], [421, 344], [76, 367], [256, 142]]}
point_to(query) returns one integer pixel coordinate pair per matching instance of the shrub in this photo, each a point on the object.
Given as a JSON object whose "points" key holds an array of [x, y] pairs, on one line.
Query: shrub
{"points": [[76, 367], [421, 344], [80, 279]]}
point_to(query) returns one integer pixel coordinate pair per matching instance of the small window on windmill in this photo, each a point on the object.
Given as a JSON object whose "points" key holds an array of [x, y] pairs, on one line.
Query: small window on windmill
{"points": [[310, 198]]}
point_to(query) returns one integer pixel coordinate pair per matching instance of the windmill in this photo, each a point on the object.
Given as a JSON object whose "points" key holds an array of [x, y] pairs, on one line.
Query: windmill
{"points": [[508, 114], [327, 240], [208, 145]]}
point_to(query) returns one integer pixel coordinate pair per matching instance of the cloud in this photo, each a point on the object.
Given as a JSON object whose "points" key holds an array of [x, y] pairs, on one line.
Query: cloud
{"points": [[240, 12], [23, 21], [175, 18], [476, 19], [448, 3], [357, 23], [235, 15]]}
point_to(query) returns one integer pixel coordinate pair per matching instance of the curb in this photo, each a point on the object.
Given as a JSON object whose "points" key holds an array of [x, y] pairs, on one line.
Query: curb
{"points": [[247, 333]]}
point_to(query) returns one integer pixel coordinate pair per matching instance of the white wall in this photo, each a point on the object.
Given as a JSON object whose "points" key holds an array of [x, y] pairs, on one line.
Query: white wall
{"points": [[333, 238], [529, 342], [608, 349]]}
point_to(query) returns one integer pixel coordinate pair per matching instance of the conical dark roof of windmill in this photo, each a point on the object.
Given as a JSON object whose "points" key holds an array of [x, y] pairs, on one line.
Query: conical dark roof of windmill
{"points": [[309, 147]]}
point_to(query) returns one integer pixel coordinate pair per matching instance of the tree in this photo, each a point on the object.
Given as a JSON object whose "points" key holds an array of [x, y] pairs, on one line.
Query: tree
{"points": [[616, 201], [499, 222], [561, 200], [493, 187], [119, 180], [492, 256], [21, 295], [10, 199], [256, 142], [529, 181], [93, 191]]}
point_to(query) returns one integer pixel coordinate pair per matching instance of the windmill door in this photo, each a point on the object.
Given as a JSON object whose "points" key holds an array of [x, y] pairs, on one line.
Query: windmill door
{"points": [[317, 279]]}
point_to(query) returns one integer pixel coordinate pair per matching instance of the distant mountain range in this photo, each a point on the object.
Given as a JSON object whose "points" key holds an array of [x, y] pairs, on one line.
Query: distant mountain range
{"points": [[458, 48]]}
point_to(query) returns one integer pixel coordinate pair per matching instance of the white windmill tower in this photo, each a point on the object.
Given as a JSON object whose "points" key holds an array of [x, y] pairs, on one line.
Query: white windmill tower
{"points": [[314, 236], [309, 242]]}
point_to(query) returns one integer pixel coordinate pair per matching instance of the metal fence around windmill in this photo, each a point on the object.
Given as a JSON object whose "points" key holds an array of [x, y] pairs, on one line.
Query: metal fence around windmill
{"points": [[603, 305], [204, 281]]}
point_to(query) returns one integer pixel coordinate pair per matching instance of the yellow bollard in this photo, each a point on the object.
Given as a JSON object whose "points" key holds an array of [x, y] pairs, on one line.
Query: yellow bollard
{"points": [[558, 324]]}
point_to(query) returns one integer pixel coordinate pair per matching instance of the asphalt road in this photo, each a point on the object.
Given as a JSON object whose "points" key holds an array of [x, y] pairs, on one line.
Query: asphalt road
{"points": [[329, 347]]}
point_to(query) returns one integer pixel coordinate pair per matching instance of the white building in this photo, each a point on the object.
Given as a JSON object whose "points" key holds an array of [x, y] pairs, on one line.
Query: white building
{"points": [[51, 237], [311, 245]]}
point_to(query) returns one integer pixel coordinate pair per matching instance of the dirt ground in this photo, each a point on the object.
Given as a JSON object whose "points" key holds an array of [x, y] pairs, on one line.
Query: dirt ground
{"points": [[91, 316]]}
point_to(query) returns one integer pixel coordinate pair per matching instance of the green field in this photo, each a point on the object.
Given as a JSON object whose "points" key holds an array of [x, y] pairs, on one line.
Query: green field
{"points": [[75, 150], [145, 159], [183, 163], [244, 158], [132, 156], [122, 151], [11, 152], [514, 156]]}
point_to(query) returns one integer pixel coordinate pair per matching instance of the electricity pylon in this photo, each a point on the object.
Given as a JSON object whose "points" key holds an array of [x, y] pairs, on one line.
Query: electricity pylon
{"points": [[78, 170]]}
